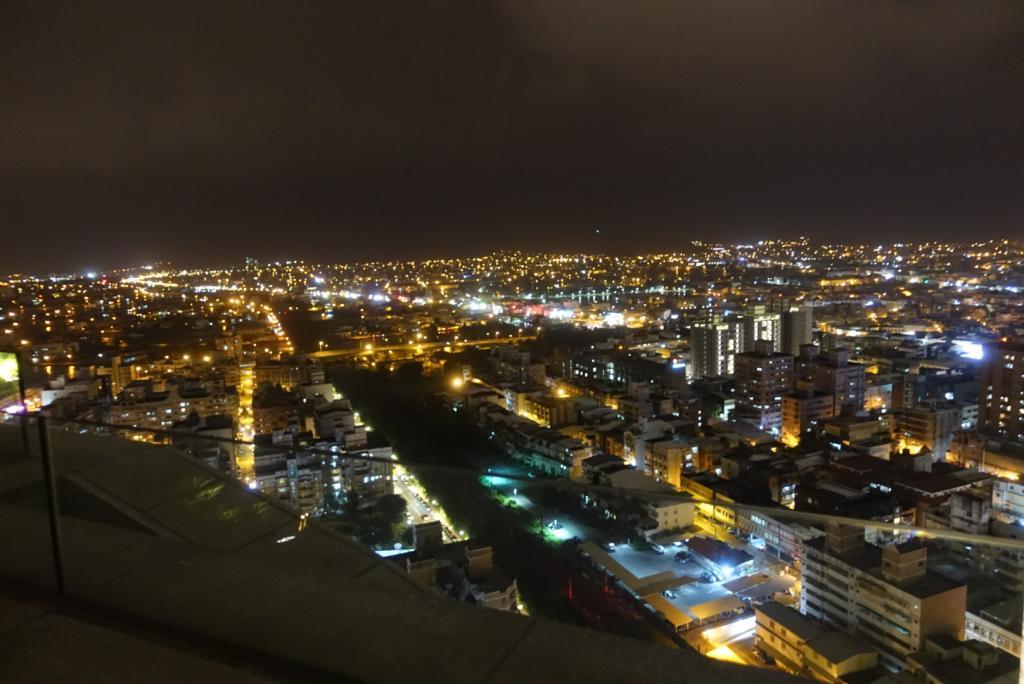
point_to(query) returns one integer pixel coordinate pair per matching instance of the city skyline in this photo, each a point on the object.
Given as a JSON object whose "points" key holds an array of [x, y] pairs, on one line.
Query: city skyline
{"points": [[734, 254]]}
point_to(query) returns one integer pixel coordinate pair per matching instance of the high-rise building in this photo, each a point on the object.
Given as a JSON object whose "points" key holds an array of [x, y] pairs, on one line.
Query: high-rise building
{"points": [[802, 410], [832, 374], [797, 328], [929, 427], [763, 376], [713, 345], [1001, 390], [760, 324], [884, 595]]}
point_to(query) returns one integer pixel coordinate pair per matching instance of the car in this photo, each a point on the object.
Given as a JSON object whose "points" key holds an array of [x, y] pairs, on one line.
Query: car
{"points": [[668, 593], [610, 547], [677, 542], [706, 577], [554, 525], [658, 548], [683, 556]]}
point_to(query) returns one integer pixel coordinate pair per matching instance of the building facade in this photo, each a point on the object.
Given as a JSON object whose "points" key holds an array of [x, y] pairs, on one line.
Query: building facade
{"points": [[886, 596], [1001, 390], [763, 376]]}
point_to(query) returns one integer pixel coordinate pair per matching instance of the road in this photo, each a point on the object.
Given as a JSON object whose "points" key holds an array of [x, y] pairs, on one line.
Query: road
{"points": [[418, 506], [418, 348]]}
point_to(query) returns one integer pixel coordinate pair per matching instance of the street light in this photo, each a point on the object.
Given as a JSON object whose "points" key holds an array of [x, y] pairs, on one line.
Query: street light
{"points": [[457, 382]]}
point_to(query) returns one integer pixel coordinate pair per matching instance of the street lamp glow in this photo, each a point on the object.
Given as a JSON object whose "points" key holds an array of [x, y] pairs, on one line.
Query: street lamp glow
{"points": [[457, 382]]}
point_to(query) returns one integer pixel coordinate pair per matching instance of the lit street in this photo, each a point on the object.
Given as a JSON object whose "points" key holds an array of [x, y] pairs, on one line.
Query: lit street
{"points": [[419, 508]]}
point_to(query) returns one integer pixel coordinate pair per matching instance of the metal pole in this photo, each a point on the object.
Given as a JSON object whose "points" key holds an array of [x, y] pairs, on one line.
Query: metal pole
{"points": [[50, 482]]}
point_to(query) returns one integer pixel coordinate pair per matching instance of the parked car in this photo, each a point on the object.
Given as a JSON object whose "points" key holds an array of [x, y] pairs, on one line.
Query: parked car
{"points": [[706, 577], [657, 548], [609, 547], [683, 556], [668, 593]]}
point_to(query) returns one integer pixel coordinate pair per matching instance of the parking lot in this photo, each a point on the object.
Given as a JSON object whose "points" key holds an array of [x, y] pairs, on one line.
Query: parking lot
{"points": [[646, 564]]}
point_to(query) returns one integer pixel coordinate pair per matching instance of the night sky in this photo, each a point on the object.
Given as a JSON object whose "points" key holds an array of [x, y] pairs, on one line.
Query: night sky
{"points": [[202, 132]]}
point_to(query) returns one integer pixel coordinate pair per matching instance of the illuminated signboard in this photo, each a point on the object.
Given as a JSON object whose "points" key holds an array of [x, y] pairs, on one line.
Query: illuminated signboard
{"points": [[10, 397]]}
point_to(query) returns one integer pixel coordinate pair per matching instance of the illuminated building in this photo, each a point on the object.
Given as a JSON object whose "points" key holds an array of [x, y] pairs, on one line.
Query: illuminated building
{"points": [[273, 408], [928, 427], [997, 622], [1001, 390], [884, 595], [719, 558], [758, 325], [549, 411], [713, 345], [762, 378], [1008, 500], [160, 405], [802, 410], [288, 375], [665, 459], [832, 374], [312, 481]]}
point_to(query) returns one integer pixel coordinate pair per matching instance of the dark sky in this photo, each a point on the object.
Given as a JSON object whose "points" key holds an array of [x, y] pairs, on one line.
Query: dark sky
{"points": [[205, 131]]}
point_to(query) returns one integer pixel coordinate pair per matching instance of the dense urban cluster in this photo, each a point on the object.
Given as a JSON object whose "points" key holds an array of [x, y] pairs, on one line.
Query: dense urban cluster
{"points": [[698, 429]]}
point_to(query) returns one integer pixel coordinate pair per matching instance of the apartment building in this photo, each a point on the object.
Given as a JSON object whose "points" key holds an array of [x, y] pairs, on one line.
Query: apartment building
{"points": [[834, 374], [929, 427], [763, 376], [806, 647], [1001, 390], [884, 595], [802, 411], [158, 405]]}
